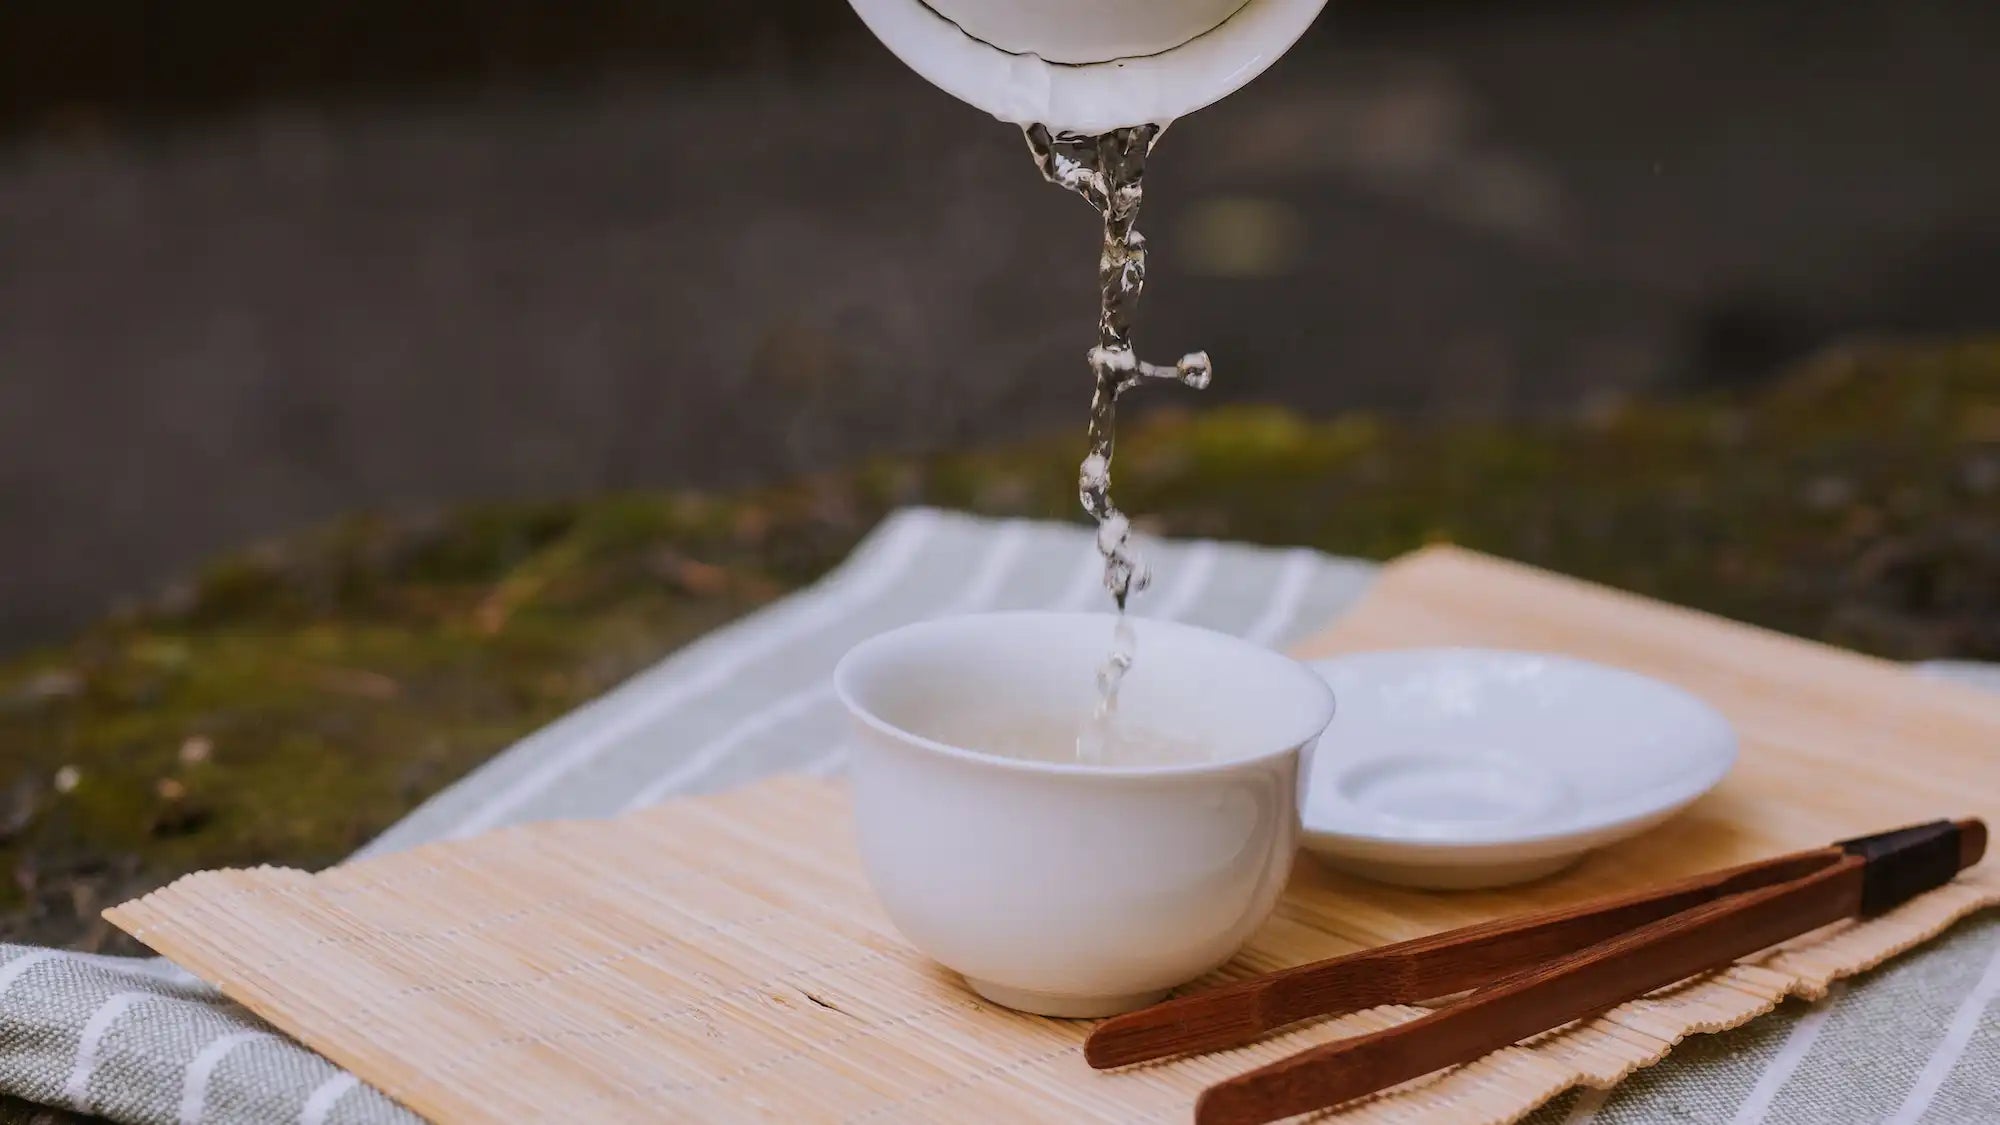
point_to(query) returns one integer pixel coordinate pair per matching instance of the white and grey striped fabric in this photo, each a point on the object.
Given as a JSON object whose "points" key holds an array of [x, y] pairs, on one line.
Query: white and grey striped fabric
{"points": [[139, 1041]]}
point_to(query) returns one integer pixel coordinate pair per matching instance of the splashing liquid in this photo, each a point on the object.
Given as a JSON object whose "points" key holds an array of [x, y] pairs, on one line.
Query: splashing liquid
{"points": [[1109, 171]]}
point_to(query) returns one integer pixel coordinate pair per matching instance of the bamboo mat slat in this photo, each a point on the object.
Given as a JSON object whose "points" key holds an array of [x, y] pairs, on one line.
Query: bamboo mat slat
{"points": [[721, 958]]}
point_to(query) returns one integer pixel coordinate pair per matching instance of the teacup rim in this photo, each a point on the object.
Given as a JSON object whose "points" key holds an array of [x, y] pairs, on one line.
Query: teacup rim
{"points": [[1316, 685]]}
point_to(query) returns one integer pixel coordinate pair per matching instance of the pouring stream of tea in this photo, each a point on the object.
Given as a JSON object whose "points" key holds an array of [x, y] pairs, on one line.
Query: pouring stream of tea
{"points": [[1108, 171]]}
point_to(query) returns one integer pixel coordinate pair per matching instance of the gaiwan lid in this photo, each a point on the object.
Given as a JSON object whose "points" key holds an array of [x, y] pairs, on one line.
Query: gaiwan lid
{"points": [[1088, 66]]}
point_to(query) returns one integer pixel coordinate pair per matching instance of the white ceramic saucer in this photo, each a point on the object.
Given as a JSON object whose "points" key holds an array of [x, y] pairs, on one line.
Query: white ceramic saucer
{"points": [[1458, 768]]}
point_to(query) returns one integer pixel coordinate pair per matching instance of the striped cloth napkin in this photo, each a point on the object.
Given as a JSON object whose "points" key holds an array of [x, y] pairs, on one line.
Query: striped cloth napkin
{"points": [[140, 1041]]}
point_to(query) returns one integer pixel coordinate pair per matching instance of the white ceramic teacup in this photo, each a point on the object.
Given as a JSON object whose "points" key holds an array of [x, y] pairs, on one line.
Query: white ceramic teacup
{"points": [[1067, 889]]}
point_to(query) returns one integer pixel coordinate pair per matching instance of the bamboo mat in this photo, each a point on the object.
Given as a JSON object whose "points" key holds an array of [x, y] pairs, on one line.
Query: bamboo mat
{"points": [[721, 958]]}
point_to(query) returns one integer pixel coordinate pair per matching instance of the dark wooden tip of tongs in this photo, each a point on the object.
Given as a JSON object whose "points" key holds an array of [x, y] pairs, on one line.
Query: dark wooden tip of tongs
{"points": [[1527, 974]]}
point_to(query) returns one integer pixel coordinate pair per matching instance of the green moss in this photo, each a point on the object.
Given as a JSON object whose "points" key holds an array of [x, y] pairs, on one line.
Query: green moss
{"points": [[301, 695]]}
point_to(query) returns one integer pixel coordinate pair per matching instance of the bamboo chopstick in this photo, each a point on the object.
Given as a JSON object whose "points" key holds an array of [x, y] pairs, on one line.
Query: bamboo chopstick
{"points": [[1529, 974]]}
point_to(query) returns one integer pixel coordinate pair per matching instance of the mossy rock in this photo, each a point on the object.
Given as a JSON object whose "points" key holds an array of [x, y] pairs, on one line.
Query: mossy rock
{"points": [[300, 696]]}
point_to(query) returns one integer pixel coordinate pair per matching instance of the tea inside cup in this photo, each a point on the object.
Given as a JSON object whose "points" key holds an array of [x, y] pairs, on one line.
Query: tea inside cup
{"points": [[1063, 886]]}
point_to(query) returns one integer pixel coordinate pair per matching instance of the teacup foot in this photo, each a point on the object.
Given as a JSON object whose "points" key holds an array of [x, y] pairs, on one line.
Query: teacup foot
{"points": [[1062, 1006]]}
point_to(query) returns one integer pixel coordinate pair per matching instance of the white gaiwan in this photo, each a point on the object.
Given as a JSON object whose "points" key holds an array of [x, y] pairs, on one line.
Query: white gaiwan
{"points": [[1088, 66]]}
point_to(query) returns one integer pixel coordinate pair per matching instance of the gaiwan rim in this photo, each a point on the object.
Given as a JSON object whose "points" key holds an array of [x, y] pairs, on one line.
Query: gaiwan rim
{"points": [[1090, 98], [1295, 741]]}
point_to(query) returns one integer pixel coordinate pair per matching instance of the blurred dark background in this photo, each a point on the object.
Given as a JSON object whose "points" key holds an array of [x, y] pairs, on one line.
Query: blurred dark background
{"points": [[264, 263]]}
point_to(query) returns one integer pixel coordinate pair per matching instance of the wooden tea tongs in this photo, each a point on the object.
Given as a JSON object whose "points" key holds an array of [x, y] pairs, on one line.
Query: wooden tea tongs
{"points": [[1527, 974]]}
